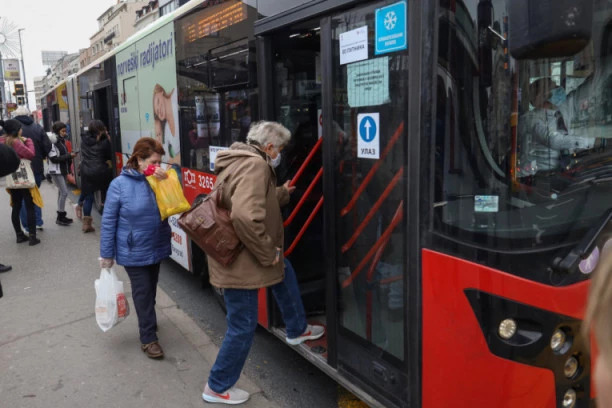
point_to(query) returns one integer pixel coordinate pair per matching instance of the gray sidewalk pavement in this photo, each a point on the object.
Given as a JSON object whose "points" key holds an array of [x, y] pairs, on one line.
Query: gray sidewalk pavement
{"points": [[52, 353]]}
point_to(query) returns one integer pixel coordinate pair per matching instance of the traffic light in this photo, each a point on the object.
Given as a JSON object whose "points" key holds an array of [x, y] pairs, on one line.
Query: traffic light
{"points": [[19, 89], [20, 100]]}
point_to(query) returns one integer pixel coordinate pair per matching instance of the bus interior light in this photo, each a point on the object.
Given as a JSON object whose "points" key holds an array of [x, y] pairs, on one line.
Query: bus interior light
{"points": [[507, 329], [571, 367], [569, 399], [557, 340]]}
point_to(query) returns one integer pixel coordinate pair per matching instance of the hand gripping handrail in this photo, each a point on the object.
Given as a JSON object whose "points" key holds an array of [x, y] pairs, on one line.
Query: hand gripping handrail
{"points": [[300, 203], [373, 210], [304, 227], [373, 170], [397, 218], [307, 161]]}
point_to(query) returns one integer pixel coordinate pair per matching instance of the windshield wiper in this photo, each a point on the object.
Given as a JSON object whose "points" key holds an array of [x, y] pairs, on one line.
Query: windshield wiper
{"points": [[584, 247]]}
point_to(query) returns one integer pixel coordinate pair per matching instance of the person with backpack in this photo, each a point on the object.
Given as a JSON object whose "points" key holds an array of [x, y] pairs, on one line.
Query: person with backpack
{"points": [[96, 174], [60, 160], [42, 146]]}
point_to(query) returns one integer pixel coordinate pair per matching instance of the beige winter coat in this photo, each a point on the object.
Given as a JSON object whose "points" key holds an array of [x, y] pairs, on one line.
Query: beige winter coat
{"points": [[250, 193]]}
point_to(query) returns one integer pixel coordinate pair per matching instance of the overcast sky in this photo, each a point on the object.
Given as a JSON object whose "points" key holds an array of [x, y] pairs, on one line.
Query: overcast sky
{"points": [[52, 25]]}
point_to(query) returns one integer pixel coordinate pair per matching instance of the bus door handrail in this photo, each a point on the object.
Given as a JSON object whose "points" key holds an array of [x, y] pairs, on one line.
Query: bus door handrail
{"points": [[304, 227], [300, 203], [373, 210], [307, 161], [373, 170], [397, 218]]}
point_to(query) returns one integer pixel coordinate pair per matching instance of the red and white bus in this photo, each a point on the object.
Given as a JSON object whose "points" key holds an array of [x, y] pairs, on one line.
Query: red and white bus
{"points": [[451, 165]]}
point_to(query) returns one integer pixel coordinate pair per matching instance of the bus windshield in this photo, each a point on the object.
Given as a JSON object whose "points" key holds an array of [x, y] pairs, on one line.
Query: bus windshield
{"points": [[521, 155]]}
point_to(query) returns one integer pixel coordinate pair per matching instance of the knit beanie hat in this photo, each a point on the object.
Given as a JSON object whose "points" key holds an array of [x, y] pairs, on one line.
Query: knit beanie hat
{"points": [[11, 126]]}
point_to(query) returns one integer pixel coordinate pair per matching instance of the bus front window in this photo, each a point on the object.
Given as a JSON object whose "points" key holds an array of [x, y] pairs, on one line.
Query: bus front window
{"points": [[522, 160]]}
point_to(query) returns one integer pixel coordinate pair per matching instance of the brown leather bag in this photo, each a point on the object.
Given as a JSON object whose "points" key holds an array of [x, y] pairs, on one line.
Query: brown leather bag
{"points": [[210, 226]]}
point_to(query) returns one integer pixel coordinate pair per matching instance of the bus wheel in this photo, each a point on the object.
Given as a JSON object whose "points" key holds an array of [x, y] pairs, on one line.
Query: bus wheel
{"points": [[220, 298]]}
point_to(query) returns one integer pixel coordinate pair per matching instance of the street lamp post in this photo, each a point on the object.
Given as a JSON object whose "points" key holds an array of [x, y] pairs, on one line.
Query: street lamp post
{"points": [[25, 82]]}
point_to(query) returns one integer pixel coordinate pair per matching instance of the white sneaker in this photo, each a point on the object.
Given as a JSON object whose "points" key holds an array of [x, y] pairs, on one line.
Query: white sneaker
{"points": [[312, 332], [233, 396]]}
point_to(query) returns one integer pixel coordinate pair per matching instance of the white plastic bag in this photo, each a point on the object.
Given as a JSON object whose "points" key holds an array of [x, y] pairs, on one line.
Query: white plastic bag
{"points": [[111, 305]]}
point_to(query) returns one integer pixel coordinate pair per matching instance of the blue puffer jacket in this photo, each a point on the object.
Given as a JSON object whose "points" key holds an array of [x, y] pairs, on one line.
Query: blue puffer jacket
{"points": [[132, 230]]}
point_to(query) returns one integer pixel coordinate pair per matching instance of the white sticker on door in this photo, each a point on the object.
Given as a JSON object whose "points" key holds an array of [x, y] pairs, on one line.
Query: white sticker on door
{"points": [[354, 45], [368, 82]]}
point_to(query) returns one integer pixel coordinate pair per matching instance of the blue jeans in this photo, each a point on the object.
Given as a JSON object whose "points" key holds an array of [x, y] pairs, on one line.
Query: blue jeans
{"points": [[23, 214], [144, 290], [86, 200], [241, 305]]}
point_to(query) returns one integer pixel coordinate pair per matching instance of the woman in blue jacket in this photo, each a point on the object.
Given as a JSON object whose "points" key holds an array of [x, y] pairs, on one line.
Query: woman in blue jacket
{"points": [[136, 237]]}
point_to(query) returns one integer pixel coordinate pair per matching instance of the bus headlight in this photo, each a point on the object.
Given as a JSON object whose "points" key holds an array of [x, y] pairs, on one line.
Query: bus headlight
{"points": [[569, 399], [557, 341], [507, 329], [571, 367]]}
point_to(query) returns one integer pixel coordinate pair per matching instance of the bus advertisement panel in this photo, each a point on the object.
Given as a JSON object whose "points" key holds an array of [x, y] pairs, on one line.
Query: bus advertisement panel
{"points": [[146, 79]]}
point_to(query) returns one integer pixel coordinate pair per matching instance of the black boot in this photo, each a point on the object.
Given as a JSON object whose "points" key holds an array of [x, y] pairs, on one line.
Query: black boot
{"points": [[61, 219], [21, 237], [34, 240], [66, 219]]}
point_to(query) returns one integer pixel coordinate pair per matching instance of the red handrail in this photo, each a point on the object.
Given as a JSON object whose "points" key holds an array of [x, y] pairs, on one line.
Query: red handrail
{"points": [[304, 227], [306, 162], [373, 170], [397, 218], [373, 210], [303, 199]]}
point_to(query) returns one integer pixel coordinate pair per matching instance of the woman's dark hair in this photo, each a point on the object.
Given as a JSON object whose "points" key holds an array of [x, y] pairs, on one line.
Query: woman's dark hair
{"points": [[143, 149], [57, 127], [11, 127], [96, 128]]}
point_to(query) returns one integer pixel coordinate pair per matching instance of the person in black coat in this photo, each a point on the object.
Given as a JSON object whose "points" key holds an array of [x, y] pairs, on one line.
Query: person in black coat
{"points": [[9, 163], [96, 172], [42, 144], [59, 164]]}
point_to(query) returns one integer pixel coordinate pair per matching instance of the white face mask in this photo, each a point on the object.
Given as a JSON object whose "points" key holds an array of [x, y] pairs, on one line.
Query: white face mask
{"points": [[276, 161]]}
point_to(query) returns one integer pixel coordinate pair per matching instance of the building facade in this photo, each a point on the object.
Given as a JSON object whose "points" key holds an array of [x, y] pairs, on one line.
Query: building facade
{"points": [[115, 25], [39, 89], [146, 15]]}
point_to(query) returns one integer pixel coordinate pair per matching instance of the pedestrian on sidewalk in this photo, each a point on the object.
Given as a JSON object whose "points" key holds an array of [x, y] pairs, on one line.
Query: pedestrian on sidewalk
{"points": [[60, 160], [9, 163], [250, 193], [96, 173], [134, 234], [25, 150], [42, 146]]}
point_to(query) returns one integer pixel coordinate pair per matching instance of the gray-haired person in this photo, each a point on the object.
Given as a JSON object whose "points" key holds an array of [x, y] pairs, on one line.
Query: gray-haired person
{"points": [[250, 193]]}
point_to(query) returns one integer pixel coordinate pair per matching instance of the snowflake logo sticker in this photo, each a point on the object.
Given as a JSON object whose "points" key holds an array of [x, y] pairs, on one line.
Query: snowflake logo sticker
{"points": [[390, 20]]}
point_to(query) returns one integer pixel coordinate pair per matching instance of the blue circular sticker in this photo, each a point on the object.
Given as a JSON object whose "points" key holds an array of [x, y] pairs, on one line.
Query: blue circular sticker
{"points": [[367, 129]]}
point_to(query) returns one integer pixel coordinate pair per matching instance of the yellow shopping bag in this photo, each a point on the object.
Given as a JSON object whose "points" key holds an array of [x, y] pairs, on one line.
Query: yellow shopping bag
{"points": [[169, 195]]}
